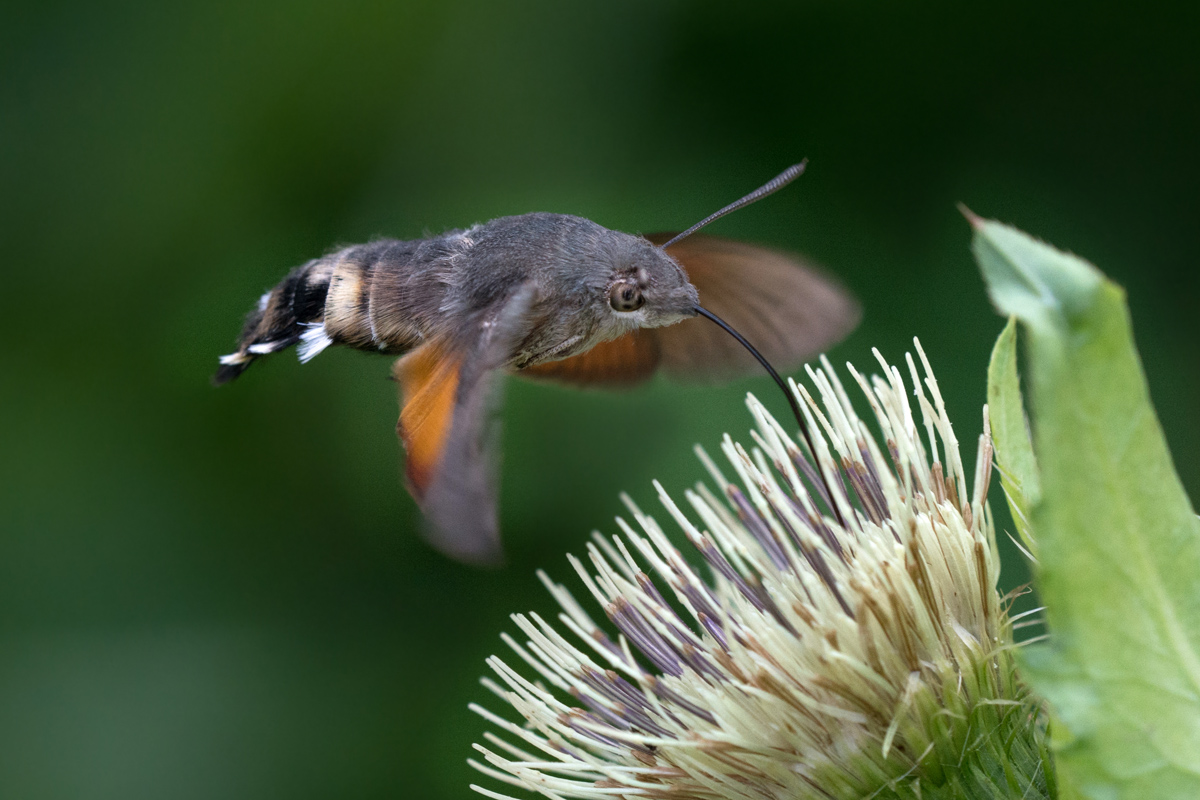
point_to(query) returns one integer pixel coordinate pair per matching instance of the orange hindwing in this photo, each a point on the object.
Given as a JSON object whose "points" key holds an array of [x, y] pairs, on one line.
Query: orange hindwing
{"points": [[428, 378]]}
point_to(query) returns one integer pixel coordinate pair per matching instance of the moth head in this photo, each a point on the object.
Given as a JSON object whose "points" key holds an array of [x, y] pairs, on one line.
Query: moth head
{"points": [[647, 289]]}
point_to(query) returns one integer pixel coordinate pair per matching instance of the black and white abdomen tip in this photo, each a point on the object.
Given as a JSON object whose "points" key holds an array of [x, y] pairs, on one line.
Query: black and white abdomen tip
{"points": [[291, 313], [314, 339]]}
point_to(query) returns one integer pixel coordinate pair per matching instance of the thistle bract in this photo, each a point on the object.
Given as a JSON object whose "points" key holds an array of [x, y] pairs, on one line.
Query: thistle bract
{"points": [[862, 652]]}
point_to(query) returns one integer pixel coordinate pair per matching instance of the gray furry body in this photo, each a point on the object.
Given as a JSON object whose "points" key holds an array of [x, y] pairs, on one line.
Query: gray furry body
{"points": [[391, 295]]}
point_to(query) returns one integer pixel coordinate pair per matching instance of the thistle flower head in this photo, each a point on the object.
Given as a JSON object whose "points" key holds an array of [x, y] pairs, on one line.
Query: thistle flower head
{"points": [[862, 652]]}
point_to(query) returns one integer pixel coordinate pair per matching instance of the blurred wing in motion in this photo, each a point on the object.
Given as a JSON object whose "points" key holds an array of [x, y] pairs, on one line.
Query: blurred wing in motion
{"points": [[447, 394], [428, 379], [789, 310]]}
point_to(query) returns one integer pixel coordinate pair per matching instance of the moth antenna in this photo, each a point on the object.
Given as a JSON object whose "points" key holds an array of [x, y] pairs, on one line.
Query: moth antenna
{"points": [[791, 397], [770, 187]]}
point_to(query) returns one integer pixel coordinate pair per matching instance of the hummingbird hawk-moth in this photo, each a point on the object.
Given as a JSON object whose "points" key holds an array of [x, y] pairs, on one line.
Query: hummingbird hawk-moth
{"points": [[548, 297]]}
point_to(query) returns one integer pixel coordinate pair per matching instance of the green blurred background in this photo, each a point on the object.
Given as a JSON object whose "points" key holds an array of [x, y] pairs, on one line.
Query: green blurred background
{"points": [[219, 593]]}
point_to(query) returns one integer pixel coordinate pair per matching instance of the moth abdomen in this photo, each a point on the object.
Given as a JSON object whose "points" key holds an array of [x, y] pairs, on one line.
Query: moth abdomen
{"points": [[361, 296], [282, 318]]}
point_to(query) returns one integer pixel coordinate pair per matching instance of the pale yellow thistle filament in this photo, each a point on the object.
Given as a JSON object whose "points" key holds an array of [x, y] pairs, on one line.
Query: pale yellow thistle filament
{"points": [[808, 659]]}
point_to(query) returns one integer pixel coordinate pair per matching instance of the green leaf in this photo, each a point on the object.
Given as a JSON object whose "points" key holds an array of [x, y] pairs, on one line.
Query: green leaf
{"points": [[1118, 541], [1006, 418]]}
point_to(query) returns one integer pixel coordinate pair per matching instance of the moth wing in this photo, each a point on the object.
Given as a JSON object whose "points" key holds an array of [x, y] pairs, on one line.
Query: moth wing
{"points": [[624, 361], [448, 392], [428, 380], [787, 308]]}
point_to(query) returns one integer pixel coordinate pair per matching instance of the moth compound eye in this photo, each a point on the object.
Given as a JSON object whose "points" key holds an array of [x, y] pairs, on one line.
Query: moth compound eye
{"points": [[625, 297]]}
